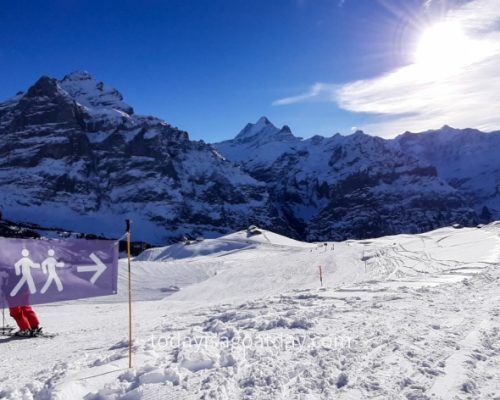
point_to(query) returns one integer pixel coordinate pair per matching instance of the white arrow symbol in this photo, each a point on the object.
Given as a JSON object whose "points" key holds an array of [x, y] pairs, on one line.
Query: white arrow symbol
{"points": [[98, 268]]}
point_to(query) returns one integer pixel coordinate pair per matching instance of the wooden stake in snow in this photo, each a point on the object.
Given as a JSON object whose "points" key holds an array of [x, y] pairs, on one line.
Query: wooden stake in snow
{"points": [[320, 276], [128, 222]]}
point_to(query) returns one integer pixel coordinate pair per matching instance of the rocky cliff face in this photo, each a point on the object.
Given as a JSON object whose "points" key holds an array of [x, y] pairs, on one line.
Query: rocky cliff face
{"points": [[75, 156]]}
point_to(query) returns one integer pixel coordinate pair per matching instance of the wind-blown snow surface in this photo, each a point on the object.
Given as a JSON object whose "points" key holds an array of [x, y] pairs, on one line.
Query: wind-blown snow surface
{"points": [[244, 317]]}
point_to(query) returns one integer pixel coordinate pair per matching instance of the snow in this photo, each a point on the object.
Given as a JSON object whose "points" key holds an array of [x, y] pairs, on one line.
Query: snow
{"points": [[279, 176], [466, 157], [93, 94], [258, 144], [443, 167], [244, 317]]}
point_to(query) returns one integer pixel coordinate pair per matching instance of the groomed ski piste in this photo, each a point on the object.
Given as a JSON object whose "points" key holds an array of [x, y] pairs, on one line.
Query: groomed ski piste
{"points": [[245, 317]]}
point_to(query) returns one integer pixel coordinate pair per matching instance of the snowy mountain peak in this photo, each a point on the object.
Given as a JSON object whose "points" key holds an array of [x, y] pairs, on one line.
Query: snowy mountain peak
{"points": [[263, 121], [81, 151], [75, 157], [262, 127], [264, 131], [44, 86], [359, 133], [91, 93], [286, 129], [78, 76]]}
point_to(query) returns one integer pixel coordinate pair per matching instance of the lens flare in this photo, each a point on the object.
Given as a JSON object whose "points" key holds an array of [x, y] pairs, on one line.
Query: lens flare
{"points": [[445, 49]]}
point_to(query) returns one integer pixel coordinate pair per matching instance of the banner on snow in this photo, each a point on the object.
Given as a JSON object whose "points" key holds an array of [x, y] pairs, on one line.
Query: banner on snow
{"points": [[47, 271]]}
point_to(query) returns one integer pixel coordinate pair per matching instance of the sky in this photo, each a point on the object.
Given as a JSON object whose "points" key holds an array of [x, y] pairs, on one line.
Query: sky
{"points": [[319, 66]]}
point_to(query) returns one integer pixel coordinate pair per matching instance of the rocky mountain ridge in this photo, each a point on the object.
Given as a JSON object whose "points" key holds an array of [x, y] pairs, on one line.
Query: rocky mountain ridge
{"points": [[348, 186], [74, 155]]}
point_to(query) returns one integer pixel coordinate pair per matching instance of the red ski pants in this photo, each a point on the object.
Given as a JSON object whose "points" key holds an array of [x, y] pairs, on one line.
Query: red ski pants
{"points": [[25, 317]]}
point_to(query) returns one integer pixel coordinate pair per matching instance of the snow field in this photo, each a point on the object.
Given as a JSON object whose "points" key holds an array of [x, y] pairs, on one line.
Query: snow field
{"points": [[408, 316]]}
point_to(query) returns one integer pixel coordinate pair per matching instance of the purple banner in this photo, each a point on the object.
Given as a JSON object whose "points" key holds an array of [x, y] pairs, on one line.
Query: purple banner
{"points": [[47, 271]]}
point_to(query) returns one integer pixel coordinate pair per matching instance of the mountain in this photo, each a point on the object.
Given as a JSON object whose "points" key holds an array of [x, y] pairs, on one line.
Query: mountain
{"points": [[466, 158], [74, 155], [347, 186]]}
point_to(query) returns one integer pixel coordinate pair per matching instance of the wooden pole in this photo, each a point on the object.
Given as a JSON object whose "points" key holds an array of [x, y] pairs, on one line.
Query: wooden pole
{"points": [[321, 276], [128, 222]]}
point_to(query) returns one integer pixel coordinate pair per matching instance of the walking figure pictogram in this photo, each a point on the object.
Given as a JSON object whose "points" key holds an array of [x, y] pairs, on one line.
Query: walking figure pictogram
{"points": [[49, 266], [23, 268]]}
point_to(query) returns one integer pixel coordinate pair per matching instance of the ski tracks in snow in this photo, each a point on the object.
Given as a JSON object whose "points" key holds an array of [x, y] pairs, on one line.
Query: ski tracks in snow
{"points": [[414, 343], [401, 330]]}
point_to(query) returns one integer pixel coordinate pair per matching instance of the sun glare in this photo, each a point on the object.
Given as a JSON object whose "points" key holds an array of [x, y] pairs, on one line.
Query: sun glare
{"points": [[442, 42], [444, 49]]}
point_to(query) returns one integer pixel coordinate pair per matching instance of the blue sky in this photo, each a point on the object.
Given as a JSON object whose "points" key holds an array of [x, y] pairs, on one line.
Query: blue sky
{"points": [[209, 67]]}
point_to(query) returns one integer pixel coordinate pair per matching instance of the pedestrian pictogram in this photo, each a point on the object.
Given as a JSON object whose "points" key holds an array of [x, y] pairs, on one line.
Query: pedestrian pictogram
{"points": [[49, 266], [23, 267]]}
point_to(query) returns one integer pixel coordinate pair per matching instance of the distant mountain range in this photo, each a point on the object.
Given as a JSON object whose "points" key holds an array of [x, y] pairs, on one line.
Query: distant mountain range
{"points": [[362, 186], [75, 156]]}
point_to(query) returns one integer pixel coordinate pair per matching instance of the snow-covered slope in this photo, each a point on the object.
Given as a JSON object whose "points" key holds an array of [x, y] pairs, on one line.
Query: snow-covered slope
{"points": [[408, 316], [221, 246]]}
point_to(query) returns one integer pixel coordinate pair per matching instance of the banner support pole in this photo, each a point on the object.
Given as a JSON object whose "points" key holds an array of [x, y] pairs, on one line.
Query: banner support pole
{"points": [[128, 222]]}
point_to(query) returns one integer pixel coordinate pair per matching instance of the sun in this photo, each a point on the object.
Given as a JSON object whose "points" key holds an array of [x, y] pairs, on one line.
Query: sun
{"points": [[442, 43], [444, 49]]}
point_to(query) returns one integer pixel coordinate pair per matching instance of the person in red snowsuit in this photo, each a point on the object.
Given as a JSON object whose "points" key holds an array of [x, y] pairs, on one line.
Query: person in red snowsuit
{"points": [[26, 319]]}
